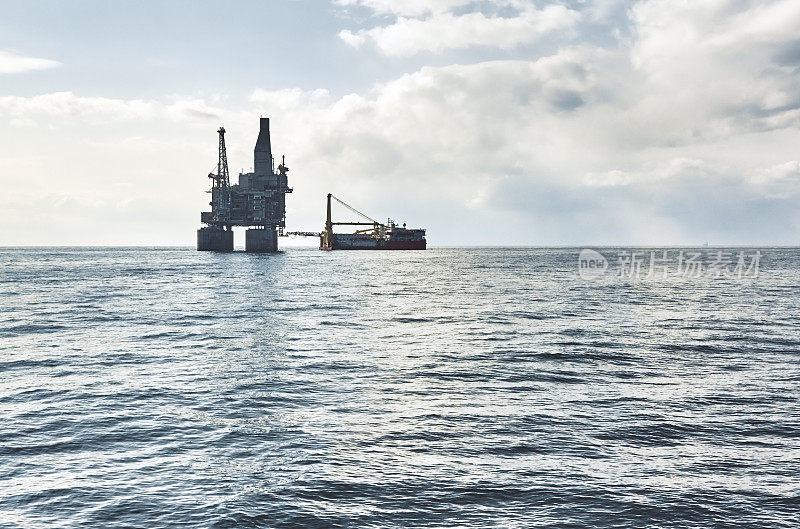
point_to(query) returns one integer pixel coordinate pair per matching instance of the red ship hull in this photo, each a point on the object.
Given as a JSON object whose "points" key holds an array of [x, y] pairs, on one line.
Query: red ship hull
{"points": [[405, 245], [390, 245]]}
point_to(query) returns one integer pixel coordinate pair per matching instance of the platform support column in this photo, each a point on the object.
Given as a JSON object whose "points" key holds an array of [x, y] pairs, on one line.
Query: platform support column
{"points": [[261, 240], [214, 239]]}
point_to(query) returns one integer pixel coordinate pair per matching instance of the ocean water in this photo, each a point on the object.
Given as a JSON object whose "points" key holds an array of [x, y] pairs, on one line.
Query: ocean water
{"points": [[453, 387]]}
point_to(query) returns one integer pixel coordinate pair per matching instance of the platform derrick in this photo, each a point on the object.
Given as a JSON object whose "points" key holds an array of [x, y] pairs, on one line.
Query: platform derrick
{"points": [[257, 201], [218, 236]]}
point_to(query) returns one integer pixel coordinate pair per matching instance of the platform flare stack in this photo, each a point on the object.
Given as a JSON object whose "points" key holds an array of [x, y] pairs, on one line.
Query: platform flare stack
{"points": [[258, 201]]}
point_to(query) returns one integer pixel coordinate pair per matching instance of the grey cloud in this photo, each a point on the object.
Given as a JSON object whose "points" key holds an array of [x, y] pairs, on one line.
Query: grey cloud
{"points": [[683, 210], [565, 99], [788, 54]]}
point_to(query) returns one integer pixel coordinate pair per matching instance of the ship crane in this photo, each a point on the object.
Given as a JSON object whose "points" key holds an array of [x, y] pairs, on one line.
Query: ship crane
{"points": [[354, 210], [327, 234]]}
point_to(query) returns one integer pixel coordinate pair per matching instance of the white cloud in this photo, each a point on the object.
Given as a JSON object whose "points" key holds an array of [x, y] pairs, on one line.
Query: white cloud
{"points": [[615, 177], [650, 173], [12, 62], [780, 172], [351, 39], [66, 105], [716, 62], [779, 180], [288, 97], [404, 7], [443, 30]]}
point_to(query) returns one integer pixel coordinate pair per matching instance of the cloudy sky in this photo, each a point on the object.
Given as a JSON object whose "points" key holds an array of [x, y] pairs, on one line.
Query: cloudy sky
{"points": [[492, 122]]}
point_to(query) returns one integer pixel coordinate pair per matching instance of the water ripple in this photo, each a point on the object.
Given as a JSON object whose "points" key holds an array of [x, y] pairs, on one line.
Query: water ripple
{"points": [[446, 388]]}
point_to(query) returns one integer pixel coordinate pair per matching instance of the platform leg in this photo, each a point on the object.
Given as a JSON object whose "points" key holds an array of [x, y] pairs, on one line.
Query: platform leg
{"points": [[213, 239], [261, 240]]}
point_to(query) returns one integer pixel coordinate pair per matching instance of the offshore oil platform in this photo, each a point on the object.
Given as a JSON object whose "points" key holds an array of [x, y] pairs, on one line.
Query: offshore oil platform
{"points": [[258, 202]]}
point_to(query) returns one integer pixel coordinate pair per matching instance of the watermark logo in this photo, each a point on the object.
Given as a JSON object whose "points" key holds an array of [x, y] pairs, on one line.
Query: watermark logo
{"points": [[677, 263], [591, 264]]}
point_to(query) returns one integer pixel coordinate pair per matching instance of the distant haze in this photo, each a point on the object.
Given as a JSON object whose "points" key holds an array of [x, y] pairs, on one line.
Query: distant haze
{"points": [[497, 122]]}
